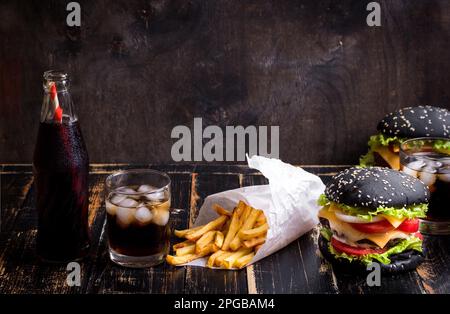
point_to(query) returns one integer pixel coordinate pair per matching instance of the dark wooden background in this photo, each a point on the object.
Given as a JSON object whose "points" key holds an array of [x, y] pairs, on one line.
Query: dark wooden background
{"points": [[139, 68]]}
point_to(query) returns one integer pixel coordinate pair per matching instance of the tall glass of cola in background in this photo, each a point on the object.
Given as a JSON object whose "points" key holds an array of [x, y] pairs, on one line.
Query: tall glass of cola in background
{"points": [[137, 211], [429, 160], [61, 169]]}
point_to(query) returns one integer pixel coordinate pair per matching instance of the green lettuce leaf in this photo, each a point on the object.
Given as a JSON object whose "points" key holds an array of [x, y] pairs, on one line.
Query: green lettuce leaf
{"points": [[326, 233], [323, 200], [412, 243], [375, 141], [412, 211], [367, 160], [441, 145], [381, 139]]}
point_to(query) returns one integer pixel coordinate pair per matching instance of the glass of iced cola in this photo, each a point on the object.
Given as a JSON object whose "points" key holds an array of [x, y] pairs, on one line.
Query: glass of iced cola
{"points": [[137, 211], [429, 160]]}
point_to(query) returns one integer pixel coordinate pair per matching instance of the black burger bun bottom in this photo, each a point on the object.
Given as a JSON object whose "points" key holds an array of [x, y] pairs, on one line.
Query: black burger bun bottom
{"points": [[402, 262]]}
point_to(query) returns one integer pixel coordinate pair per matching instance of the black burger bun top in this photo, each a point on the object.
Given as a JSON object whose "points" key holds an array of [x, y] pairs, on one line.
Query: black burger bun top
{"points": [[374, 187], [421, 121]]}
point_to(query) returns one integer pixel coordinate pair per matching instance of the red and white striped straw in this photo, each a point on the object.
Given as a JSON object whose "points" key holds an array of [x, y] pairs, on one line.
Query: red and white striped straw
{"points": [[54, 100]]}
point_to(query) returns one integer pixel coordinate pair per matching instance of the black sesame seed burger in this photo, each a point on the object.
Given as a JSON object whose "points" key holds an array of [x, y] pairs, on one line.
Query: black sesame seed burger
{"points": [[371, 215], [398, 126]]}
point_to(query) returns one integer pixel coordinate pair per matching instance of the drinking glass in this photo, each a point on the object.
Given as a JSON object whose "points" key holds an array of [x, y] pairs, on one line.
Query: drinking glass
{"points": [[429, 160], [138, 211]]}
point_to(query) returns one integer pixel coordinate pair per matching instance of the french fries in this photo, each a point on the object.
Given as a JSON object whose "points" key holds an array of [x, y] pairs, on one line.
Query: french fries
{"points": [[185, 250], [232, 230], [245, 225], [254, 242], [182, 233], [261, 220], [253, 233], [218, 240], [215, 224], [212, 258], [244, 260], [182, 244], [240, 208], [231, 240], [221, 211], [229, 261], [204, 240], [226, 227], [183, 259], [245, 214]]}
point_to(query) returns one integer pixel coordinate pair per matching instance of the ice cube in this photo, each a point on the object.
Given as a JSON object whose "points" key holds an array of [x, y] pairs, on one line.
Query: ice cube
{"points": [[416, 165], [143, 215], [432, 165], [127, 202], [427, 176], [429, 169], [437, 164], [160, 216], [445, 161], [116, 199], [130, 193], [410, 171], [156, 196], [125, 216], [145, 188], [110, 208], [126, 190]]}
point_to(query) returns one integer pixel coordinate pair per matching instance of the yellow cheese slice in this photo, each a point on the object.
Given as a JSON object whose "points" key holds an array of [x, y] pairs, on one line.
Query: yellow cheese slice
{"points": [[353, 235], [391, 158], [327, 214], [395, 222]]}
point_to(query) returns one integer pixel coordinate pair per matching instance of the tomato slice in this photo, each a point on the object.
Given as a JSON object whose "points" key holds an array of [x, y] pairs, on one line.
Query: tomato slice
{"points": [[409, 225], [418, 235], [353, 250], [374, 227]]}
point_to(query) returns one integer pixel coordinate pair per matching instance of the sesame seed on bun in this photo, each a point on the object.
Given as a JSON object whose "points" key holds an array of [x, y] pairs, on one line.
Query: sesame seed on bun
{"points": [[374, 187], [420, 121]]}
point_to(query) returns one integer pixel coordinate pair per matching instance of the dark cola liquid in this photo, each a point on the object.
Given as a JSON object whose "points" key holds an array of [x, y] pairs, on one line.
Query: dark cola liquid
{"points": [[435, 174], [61, 170], [439, 207], [136, 240]]}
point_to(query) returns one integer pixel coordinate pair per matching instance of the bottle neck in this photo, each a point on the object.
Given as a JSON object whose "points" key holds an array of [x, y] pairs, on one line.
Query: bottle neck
{"points": [[57, 106]]}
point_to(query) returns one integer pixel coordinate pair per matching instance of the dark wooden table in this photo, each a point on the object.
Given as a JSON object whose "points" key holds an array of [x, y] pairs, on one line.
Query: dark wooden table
{"points": [[298, 268]]}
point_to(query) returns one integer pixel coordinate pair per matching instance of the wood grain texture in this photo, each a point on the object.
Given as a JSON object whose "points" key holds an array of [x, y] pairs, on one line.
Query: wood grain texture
{"points": [[437, 264], [205, 280], [22, 272], [14, 189], [139, 68], [297, 268], [109, 278]]}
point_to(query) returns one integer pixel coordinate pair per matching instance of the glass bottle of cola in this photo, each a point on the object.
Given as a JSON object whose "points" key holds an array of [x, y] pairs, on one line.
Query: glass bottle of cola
{"points": [[61, 170]]}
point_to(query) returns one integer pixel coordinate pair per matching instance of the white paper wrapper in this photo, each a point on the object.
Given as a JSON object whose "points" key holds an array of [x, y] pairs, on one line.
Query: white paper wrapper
{"points": [[289, 202]]}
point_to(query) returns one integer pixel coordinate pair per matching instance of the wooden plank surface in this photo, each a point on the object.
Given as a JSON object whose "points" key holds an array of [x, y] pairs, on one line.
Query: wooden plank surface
{"points": [[205, 280], [312, 67], [434, 273], [22, 272], [109, 278], [298, 268]]}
